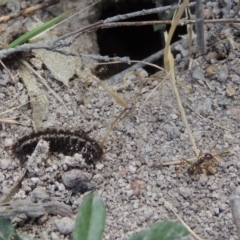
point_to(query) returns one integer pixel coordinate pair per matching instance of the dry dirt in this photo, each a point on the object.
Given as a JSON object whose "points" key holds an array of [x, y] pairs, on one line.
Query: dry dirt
{"points": [[130, 179]]}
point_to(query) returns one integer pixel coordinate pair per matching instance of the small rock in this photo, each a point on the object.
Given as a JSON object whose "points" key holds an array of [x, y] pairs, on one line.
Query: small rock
{"points": [[8, 142], [174, 116], [222, 73], [98, 178], [54, 236], [185, 192], [70, 113], [234, 111], [230, 91], [35, 61], [172, 132], [2, 177], [198, 74], [39, 193], [211, 70], [207, 104], [77, 180], [99, 166], [43, 219], [66, 97], [237, 190], [129, 193], [64, 226], [61, 187], [132, 169], [5, 163], [35, 180], [71, 177], [216, 210], [137, 186]]}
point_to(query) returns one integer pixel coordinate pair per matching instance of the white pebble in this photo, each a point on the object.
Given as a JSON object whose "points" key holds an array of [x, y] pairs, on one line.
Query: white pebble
{"points": [[8, 142], [132, 169], [4, 163], [99, 166], [35, 180], [64, 225]]}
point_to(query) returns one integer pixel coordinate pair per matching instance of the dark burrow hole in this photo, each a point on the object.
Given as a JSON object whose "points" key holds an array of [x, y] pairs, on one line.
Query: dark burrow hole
{"points": [[135, 42]]}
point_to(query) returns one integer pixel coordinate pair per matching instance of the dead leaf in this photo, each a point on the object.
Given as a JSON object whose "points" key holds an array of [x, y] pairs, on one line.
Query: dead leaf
{"points": [[38, 98], [61, 67]]}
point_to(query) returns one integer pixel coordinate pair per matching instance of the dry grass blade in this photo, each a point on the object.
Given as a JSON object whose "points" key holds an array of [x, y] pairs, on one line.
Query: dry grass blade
{"points": [[169, 66], [207, 120], [115, 95], [150, 94], [125, 76], [9, 120], [188, 228], [222, 152], [112, 126], [14, 188]]}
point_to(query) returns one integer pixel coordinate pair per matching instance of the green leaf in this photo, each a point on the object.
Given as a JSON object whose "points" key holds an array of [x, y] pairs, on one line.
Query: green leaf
{"points": [[91, 219], [7, 231], [34, 32], [163, 231]]}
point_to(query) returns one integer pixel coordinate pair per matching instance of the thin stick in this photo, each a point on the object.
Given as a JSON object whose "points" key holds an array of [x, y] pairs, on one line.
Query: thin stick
{"points": [[152, 58], [199, 25], [14, 188], [27, 11]]}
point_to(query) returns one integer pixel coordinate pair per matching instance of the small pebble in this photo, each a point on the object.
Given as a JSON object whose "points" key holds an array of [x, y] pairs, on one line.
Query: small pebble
{"points": [[222, 74], [8, 142], [185, 192], [54, 236], [132, 169], [66, 98], [99, 166], [5, 163], [64, 225], [77, 180], [207, 104], [2, 177]]}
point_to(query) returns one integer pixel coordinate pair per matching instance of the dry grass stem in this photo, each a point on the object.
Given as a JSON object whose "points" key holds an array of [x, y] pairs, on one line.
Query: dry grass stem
{"points": [[207, 120], [111, 127], [14, 188], [194, 159], [169, 66], [9, 120], [180, 219]]}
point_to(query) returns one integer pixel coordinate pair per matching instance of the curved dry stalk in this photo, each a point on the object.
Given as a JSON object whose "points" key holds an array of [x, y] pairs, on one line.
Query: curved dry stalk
{"points": [[169, 66]]}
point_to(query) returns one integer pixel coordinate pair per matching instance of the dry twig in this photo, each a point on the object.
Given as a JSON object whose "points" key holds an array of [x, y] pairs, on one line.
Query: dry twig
{"points": [[28, 10]]}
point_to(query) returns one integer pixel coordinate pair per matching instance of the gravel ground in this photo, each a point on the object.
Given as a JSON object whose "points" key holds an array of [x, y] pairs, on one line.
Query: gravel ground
{"points": [[131, 179]]}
